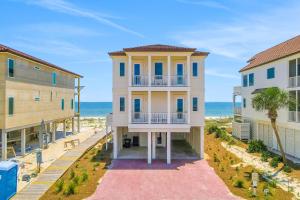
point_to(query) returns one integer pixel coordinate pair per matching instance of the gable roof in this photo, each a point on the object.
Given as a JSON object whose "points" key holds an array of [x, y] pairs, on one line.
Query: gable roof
{"points": [[158, 48], [284, 49], [4, 48]]}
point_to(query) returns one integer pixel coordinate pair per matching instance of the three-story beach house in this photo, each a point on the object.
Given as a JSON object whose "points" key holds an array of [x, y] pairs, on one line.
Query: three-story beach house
{"points": [[34, 97], [158, 99], [278, 66]]}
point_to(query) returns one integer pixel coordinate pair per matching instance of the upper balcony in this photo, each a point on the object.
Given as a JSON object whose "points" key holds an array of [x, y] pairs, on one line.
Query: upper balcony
{"points": [[159, 81], [159, 118], [294, 81]]}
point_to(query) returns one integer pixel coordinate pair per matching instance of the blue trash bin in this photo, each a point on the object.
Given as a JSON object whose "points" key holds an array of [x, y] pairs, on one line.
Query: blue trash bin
{"points": [[8, 179]]}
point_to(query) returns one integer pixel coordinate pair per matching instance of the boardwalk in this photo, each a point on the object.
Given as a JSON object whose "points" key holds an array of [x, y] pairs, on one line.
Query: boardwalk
{"points": [[47, 178]]}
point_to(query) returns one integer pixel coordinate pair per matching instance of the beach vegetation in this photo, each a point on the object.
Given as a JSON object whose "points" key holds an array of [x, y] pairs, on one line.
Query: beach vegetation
{"points": [[256, 146]]}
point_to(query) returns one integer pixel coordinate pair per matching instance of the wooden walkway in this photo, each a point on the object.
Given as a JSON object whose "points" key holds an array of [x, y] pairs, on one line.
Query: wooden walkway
{"points": [[47, 178]]}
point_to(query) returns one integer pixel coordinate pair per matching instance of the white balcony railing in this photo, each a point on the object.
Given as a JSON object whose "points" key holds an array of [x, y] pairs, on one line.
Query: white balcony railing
{"points": [[293, 82], [179, 118], [237, 110], [139, 118], [159, 118], [109, 119], [139, 80], [178, 81], [159, 80], [292, 116]]}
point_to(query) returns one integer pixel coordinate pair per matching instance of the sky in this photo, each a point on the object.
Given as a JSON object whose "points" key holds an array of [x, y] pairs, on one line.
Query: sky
{"points": [[77, 34]]}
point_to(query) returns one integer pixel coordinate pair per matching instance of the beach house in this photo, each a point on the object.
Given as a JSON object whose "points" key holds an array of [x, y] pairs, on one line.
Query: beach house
{"points": [[158, 102], [34, 97], [278, 66]]}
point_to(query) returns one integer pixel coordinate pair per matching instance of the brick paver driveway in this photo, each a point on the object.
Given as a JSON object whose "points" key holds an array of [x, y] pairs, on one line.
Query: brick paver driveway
{"points": [[136, 180]]}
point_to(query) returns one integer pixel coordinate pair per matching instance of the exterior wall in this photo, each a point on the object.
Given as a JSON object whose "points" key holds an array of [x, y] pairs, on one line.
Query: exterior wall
{"points": [[2, 91], [193, 138], [30, 83]]}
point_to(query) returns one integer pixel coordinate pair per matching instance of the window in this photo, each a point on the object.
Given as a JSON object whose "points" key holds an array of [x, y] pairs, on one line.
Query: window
{"points": [[53, 78], [72, 104], [11, 68], [251, 79], [195, 104], [122, 69], [10, 106], [122, 104], [271, 73], [244, 102], [195, 69], [62, 104], [245, 81]]}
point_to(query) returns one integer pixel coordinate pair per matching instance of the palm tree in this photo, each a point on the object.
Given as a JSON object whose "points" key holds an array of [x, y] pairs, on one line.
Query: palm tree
{"points": [[271, 100]]}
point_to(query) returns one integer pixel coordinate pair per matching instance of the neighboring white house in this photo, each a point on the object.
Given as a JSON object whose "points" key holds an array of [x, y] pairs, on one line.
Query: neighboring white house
{"points": [[278, 66], [158, 97]]}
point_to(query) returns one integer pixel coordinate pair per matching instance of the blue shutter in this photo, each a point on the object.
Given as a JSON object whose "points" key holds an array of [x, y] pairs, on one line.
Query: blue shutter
{"points": [[11, 68], [244, 102], [195, 69], [53, 78], [62, 104], [271, 73], [251, 79], [10, 106], [72, 104], [195, 104], [122, 104], [122, 69]]}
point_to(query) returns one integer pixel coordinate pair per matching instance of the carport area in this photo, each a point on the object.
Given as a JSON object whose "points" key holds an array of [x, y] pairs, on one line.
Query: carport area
{"points": [[182, 179]]}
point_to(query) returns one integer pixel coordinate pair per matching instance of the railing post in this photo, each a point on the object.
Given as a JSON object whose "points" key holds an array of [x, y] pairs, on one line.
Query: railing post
{"points": [[129, 71], [149, 107]]}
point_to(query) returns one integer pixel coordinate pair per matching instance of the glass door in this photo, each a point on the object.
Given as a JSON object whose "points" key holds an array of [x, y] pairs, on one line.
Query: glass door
{"points": [[179, 74]]}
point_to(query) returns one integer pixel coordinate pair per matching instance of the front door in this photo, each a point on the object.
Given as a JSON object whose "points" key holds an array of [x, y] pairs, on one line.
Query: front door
{"points": [[137, 74], [179, 108], [137, 108], [179, 74]]}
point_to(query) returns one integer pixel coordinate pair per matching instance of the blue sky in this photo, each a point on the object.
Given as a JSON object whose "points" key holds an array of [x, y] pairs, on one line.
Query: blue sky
{"points": [[78, 34]]}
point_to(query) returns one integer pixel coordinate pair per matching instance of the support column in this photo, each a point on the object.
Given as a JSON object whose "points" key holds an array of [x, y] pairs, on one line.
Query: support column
{"points": [[129, 71], [149, 147], [169, 107], [169, 70], [53, 131], [202, 142], [188, 66], [64, 129], [149, 107], [115, 141], [129, 107], [149, 70], [153, 145], [73, 126], [168, 147], [189, 106], [23, 142], [78, 106], [4, 145]]}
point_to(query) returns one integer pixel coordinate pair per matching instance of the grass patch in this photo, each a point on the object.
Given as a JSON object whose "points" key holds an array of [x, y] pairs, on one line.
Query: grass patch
{"points": [[80, 180]]}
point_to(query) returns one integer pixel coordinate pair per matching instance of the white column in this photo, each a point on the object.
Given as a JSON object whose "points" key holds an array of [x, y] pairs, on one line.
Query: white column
{"points": [[149, 70], [149, 107], [23, 142], [153, 145], [189, 106], [64, 128], [202, 142], [169, 107], [53, 132], [129, 103], [4, 145], [129, 71], [115, 141], [168, 147], [78, 124], [169, 70], [73, 126], [188, 67], [149, 147]]}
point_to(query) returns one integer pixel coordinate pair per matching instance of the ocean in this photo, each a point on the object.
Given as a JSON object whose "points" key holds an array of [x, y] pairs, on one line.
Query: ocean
{"points": [[99, 109]]}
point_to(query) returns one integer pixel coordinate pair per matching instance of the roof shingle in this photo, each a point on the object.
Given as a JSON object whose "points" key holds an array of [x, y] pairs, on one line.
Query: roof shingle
{"points": [[4, 48], [279, 51]]}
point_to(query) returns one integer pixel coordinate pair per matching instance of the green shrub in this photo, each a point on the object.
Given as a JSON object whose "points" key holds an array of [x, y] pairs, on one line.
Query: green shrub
{"points": [[287, 169], [256, 146], [84, 176], [265, 156], [275, 161], [59, 186], [72, 174], [212, 128], [216, 159], [76, 180], [70, 189], [273, 183], [239, 183]]}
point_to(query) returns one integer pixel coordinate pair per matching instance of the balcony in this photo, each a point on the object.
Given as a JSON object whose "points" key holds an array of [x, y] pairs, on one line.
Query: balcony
{"points": [[294, 81], [159, 118], [178, 81], [159, 81], [140, 81], [292, 116], [237, 111], [179, 118]]}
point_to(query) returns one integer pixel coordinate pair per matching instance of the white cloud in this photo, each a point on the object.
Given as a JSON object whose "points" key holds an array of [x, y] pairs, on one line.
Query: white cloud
{"points": [[70, 9], [206, 3], [216, 73], [247, 34]]}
